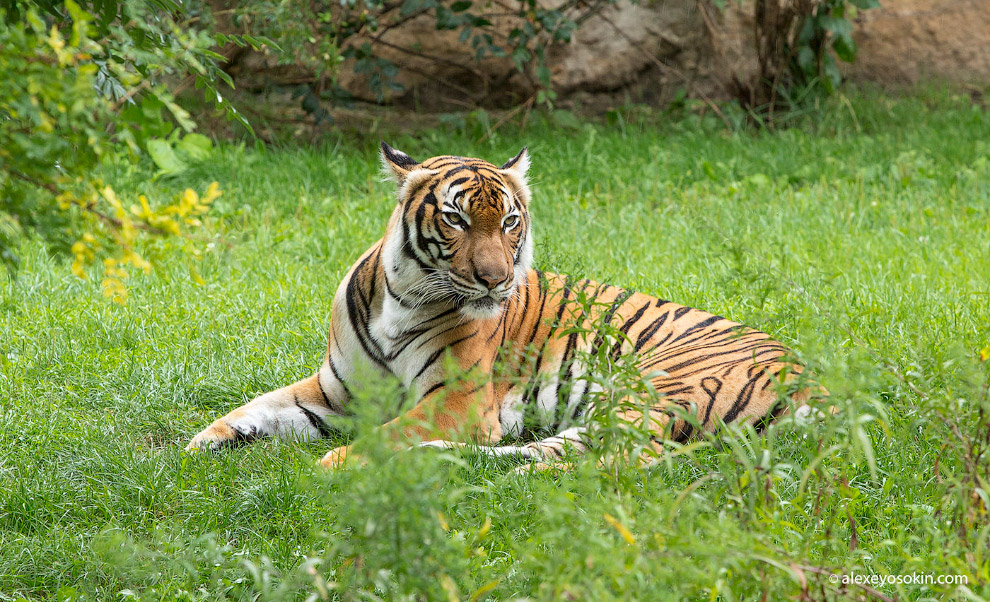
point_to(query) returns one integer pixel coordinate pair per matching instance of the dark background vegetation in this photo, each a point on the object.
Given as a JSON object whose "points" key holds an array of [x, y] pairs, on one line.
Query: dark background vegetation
{"points": [[88, 79]]}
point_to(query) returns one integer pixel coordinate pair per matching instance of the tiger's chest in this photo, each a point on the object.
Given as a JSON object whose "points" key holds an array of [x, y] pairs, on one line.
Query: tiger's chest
{"points": [[425, 347], [432, 348], [414, 346]]}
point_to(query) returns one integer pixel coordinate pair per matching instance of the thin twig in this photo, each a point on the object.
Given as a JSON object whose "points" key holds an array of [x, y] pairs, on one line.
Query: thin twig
{"points": [[46, 185], [507, 117], [443, 81], [145, 83], [436, 59], [52, 188]]}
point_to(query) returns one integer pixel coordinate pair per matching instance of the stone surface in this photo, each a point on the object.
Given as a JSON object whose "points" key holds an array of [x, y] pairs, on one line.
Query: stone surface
{"points": [[909, 41], [614, 47], [648, 50], [610, 51]]}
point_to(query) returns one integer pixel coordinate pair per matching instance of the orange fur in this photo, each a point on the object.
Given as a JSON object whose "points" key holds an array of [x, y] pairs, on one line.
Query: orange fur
{"points": [[451, 276]]}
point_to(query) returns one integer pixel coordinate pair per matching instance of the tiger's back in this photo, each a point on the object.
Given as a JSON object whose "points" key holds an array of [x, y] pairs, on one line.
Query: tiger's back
{"points": [[713, 368]]}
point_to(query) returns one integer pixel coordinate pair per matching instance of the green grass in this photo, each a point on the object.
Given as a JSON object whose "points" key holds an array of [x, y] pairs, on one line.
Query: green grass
{"points": [[861, 238]]}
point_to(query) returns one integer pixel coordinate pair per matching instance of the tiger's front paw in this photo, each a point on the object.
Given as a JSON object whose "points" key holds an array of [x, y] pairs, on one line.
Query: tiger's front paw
{"points": [[336, 458], [218, 435]]}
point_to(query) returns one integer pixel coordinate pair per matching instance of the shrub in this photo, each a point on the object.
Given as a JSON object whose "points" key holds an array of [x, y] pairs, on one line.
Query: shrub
{"points": [[82, 88]]}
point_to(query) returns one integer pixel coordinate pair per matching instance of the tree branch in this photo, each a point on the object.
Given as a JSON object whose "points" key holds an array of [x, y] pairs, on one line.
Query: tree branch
{"points": [[52, 188]]}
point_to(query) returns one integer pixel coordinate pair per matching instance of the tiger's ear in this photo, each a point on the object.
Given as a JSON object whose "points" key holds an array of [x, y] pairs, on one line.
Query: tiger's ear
{"points": [[517, 166], [515, 171], [397, 164]]}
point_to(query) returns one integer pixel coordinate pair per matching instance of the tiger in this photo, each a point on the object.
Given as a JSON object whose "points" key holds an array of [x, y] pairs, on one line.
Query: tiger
{"points": [[450, 287]]}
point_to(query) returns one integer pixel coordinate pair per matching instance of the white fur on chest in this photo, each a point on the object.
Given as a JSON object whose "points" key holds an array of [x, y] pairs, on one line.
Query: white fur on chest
{"points": [[410, 337]]}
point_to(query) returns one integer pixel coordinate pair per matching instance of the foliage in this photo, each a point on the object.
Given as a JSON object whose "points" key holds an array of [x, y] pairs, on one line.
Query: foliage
{"points": [[320, 35], [871, 266], [83, 88], [92, 83], [796, 45]]}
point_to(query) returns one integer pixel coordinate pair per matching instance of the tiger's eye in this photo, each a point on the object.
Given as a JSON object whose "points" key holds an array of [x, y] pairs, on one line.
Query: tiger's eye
{"points": [[510, 222], [454, 219]]}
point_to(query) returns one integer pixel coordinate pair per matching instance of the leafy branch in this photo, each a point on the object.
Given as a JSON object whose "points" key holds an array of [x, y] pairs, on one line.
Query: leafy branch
{"points": [[80, 85]]}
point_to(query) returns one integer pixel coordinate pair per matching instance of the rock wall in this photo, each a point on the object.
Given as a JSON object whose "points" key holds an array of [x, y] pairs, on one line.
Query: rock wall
{"points": [[910, 41], [640, 47], [650, 49]]}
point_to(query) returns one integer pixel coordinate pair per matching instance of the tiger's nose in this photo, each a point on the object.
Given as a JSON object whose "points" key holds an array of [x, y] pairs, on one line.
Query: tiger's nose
{"points": [[490, 278]]}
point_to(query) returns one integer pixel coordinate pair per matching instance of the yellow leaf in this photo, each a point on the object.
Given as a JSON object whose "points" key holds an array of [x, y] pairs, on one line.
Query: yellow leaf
{"points": [[77, 268], [450, 587], [623, 531], [138, 261], [744, 480], [196, 277], [46, 124], [442, 520], [484, 589], [55, 41], [189, 198], [212, 193], [115, 290], [985, 353], [111, 198], [485, 528], [168, 224]]}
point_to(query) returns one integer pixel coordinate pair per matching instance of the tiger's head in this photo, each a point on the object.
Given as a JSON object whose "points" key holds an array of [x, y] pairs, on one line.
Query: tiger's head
{"points": [[460, 231]]}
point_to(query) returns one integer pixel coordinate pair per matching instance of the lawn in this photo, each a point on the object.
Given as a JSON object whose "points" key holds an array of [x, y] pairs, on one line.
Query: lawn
{"points": [[860, 236]]}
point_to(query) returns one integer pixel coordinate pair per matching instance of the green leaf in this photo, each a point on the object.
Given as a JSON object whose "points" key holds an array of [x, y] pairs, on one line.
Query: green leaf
{"points": [[845, 48], [181, 115], [831, 72], [165, 158], [806, 59], [837, 26], [195, 146]]}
